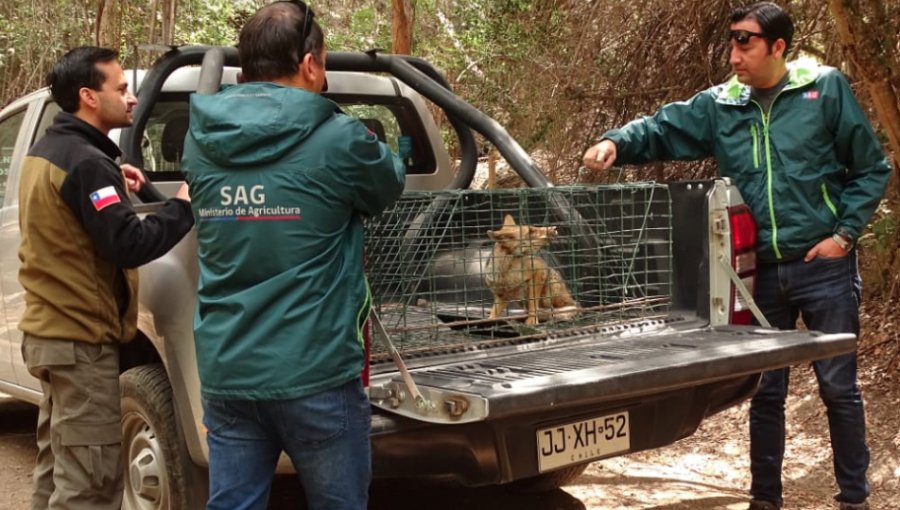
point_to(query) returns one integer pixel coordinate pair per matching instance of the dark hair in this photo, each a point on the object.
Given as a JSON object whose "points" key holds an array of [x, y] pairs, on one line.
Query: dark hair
{"points": [[272, 43], [773, 21], [77, 69]]}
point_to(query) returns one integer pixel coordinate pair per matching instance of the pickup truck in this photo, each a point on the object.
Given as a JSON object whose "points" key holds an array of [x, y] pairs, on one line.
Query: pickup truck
{"points": [[662, 273]]}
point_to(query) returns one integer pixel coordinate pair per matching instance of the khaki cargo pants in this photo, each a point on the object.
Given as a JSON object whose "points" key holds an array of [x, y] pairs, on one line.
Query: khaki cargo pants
{"points": [[79, 435]]}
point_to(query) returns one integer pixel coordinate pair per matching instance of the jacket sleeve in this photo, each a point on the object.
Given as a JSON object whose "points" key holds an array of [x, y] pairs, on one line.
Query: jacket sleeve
{"points": [[677, 131], [375, 175], [859, 150], [95, 192]]}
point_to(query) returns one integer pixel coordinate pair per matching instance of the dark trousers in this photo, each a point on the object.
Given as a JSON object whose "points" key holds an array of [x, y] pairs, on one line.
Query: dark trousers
{"points": [[825, 292]]}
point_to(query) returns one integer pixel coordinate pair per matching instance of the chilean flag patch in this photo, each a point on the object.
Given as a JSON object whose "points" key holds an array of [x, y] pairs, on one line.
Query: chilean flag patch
{"points": [[811, 95], [104, 197]]}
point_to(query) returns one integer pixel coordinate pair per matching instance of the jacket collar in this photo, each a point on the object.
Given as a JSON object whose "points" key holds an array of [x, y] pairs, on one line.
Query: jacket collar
{"points": [[67, 123], [800, 74]]}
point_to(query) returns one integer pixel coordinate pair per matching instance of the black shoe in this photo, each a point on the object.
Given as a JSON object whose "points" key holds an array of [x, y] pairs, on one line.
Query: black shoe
{"points": [[853, 506], [758, 504]]}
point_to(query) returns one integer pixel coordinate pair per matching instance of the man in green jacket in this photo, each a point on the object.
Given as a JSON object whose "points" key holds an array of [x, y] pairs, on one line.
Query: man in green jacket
{"points": [[807, 162], [281, 180]]}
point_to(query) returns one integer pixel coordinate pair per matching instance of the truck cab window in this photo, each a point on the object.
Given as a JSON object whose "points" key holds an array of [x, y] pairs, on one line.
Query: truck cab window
{"points": [[378, 119], [162, 144], [9, 130], [396, 125]]}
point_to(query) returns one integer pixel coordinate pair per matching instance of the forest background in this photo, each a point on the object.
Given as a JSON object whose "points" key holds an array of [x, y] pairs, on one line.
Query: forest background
{"points": [[556, 73]]}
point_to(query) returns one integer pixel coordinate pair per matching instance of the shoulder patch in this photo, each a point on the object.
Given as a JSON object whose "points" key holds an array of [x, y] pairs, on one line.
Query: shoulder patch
{"points": [[104, 197]]}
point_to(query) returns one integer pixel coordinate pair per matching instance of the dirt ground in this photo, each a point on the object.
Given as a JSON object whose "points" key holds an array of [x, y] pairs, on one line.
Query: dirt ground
{"points": [[17, 450], [710, 470], [706, 471]]}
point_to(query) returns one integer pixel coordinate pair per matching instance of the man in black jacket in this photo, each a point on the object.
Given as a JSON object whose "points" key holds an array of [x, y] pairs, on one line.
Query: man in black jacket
{"points": [[81, 244]]}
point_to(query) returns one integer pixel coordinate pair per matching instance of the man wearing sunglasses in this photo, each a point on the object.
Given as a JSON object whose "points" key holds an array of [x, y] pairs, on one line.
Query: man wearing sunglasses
{"points": [[807, 162], [282, 179]]}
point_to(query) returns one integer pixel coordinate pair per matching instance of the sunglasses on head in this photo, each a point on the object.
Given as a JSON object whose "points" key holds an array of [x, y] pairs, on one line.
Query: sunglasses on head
{"points": [[308, 16], [743, 36]]}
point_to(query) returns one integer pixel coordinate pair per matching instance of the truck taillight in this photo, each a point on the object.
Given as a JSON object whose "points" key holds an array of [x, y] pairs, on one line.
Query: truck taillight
{"points": [[743, 260]]}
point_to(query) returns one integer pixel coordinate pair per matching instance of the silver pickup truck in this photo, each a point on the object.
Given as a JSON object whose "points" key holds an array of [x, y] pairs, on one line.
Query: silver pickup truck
{"points": [[662, 274]]}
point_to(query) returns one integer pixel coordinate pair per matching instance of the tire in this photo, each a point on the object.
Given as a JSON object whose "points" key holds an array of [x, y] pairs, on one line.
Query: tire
{"points": [[159, 473], [546, 482]]}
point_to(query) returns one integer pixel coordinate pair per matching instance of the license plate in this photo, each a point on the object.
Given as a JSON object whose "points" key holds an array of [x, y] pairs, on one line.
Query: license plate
{"points": [[582, 441]]}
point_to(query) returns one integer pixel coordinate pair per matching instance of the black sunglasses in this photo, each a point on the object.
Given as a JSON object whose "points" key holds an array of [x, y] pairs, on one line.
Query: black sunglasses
{"points": [[743, 36]]}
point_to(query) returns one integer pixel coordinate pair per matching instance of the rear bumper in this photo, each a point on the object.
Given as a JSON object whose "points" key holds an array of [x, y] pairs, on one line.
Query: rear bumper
{"points": [[505, 449]]}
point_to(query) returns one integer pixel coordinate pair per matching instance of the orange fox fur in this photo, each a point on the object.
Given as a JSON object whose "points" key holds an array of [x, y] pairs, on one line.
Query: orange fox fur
{"points": [[516, 273]]}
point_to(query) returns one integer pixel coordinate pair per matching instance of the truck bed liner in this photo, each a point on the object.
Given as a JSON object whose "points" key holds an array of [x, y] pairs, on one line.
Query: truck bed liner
{"points": [[624, 365]]}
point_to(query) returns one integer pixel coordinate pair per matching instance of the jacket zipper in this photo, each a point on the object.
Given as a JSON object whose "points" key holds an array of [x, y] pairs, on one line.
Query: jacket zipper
{"points": [[769, 190]]}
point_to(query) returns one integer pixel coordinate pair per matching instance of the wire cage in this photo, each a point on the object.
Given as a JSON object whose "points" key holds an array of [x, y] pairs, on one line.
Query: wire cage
{"points": [[433, 267]]}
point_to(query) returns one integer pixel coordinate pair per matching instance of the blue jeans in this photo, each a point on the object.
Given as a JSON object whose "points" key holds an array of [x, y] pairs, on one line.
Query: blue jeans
{"points": [[826, 293], [326, 435]]}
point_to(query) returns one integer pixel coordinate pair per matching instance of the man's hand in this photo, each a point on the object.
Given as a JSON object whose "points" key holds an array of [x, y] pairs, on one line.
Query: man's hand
{"points": [[183, 193], [134, 178], [601, 156], [825, 248]]}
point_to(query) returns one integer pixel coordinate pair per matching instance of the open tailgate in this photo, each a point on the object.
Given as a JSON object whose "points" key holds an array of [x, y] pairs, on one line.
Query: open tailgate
{"points": [[596, 368]]}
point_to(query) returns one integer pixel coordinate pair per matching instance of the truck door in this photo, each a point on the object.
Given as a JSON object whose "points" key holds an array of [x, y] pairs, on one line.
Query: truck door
{"points": [[12, 149], [39, 116]]}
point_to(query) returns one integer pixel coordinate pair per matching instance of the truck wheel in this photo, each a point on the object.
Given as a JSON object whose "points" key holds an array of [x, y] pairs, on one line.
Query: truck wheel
{"points": [[157, 464], [549, 481]]}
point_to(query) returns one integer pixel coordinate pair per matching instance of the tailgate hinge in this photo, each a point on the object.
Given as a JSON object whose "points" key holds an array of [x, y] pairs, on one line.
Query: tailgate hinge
{"points": [[406, 398]]}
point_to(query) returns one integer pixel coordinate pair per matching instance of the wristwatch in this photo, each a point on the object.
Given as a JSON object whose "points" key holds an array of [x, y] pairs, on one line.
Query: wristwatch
{"points": [[843, 240]]}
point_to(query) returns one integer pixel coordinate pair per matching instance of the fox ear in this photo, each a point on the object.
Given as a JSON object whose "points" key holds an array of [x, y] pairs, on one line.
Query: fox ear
{"points": [[508, 220]]}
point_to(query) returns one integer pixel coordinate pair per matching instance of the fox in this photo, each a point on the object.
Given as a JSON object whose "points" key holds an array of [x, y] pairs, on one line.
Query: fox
{"points": [[515, 272]]}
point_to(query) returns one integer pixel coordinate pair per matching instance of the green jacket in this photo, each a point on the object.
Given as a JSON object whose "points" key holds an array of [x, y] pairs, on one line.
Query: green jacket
{"points": [[809, 167], [280, 180]]}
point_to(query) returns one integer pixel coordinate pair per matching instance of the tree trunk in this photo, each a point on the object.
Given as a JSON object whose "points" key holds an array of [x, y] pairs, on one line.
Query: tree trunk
{"points": [[151, 32], [401, 26], [168, 21], [865, 49], [108, 28]]}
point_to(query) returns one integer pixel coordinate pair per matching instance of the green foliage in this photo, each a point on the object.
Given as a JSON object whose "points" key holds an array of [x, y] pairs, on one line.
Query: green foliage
{"points": [[882, 257], [32, 35], [35, 33], [556, 73], [361, 29], [213, 22]]}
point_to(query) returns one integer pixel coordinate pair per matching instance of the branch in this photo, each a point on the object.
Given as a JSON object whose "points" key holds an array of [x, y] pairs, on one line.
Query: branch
{"points": [[860, 44], [471, 64]]}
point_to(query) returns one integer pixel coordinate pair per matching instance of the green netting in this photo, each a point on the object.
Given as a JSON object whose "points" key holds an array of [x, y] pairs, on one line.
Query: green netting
{"points": [[427, 258]]}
